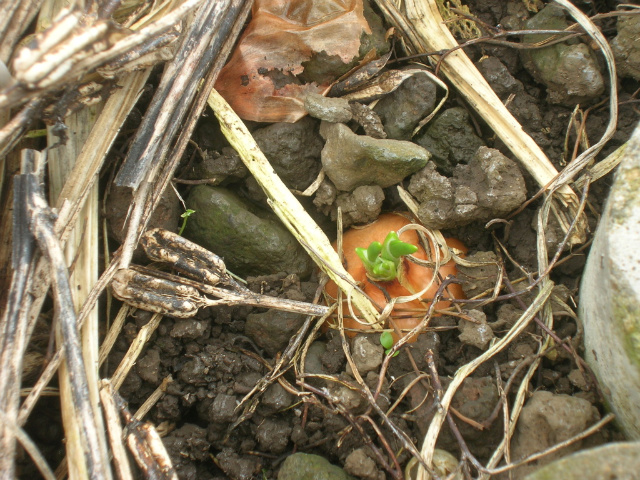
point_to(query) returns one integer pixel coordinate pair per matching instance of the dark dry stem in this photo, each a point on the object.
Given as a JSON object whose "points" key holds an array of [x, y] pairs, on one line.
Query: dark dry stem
{"points": [[167, 173], [115, 431], [11, 133], [240, 296], [14, 322], [198, 52], [41, 224], [51, 368]]}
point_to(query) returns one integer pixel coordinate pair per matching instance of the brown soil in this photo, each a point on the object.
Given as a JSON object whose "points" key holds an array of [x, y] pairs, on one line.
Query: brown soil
{"points": [[214, 362]]}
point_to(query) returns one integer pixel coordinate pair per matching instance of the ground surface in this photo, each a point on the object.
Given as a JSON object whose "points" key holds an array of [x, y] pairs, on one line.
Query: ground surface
{"points": [[218, 357]]}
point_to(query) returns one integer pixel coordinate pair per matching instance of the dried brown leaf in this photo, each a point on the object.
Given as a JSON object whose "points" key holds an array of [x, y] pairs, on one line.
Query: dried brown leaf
{"points": [[261, 79]]}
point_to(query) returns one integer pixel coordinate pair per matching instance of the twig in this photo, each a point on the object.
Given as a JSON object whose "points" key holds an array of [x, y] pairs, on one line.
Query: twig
{"points": [[435, 378]]}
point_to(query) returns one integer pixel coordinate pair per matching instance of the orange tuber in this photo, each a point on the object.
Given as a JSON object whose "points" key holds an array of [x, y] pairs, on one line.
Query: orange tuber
{"points": [[412, 278]]}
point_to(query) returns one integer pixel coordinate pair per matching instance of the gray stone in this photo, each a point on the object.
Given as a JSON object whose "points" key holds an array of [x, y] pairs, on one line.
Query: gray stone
{"points": [[305, 466], [238, 467], [223, 166], [250, 240], [351, 160], [489, 186], [363, 205], [498, 76], [190, 329], [481, 277], [223, 408], [335, 110], [450, 138], [547, 419], [293, 149], [273, 435], [349, 398], [402, 109], [276, 397], [148, 367], [273, 329], [477, 334], [367, 353], [358, 463], [313, 361], [569, 71], [609, 303], [620, 461], [626, 48]]}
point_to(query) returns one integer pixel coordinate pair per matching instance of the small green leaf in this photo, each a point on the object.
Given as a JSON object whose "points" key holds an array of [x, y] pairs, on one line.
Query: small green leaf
{"points": [[386, 339], [187, 213], [384, 270], [398, 248], [374, 250]]}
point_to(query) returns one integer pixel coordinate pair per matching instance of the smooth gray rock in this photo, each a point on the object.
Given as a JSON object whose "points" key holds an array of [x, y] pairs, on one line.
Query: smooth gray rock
{"points": [[305, 466], [250, 240], [569, 71], [620, 461], [351, 160], [335, 110], [609, 304]]}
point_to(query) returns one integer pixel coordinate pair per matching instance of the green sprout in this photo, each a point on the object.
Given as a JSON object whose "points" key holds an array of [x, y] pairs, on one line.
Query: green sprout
{"points": [[185, 216], [382, 260], [386, 340]]}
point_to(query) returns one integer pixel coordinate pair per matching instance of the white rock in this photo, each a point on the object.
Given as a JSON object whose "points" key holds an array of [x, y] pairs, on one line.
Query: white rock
{"points": [[610, 294]]}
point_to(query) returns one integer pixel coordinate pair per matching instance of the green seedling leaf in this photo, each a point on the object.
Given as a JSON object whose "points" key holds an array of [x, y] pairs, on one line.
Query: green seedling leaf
{"points": [[384, 270], [185, 216], [382, 260], [374, 250], [386, 339], [398, 248]]}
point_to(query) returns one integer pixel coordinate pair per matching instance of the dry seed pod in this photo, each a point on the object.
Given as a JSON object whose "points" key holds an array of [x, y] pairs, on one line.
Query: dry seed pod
{"points": [[155, 294], [185, 256]]}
